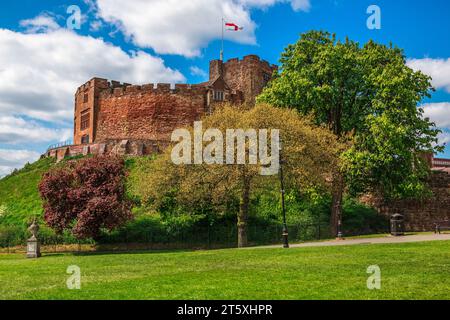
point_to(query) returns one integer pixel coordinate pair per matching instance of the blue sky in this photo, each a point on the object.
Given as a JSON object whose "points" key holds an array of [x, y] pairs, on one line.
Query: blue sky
{"points": [[142, 41]]}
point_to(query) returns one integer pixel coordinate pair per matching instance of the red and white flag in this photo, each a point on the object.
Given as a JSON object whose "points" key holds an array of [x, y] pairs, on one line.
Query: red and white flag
{"points": [[232, 27]]}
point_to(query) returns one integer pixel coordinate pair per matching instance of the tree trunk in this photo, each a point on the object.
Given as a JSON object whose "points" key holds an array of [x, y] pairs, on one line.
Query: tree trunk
{"points": [[243, 213], [336, 206]]}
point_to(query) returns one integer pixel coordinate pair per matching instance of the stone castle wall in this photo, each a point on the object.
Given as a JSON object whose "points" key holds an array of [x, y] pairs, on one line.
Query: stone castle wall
{"points": [[420, 215], [110, 147], [149, 112]]}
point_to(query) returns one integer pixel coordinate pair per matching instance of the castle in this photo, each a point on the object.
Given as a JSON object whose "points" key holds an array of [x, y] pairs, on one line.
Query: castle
{"points": [[120, 118]]}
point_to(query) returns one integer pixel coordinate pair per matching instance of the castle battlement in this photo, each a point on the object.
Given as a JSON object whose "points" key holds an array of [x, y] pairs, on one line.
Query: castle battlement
{"points": [[250, 58], [155, 88]]}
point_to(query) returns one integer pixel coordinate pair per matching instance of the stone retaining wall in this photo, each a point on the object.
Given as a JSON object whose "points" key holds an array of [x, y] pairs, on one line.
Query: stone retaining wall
{"points": [[420, 215]]}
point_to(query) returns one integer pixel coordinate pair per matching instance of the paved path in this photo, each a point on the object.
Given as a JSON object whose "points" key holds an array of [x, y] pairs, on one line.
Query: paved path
{"points": [[389, 239]]}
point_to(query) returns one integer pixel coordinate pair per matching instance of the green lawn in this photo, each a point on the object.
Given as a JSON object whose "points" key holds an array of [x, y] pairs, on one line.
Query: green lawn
{"points": [[409, 271]]}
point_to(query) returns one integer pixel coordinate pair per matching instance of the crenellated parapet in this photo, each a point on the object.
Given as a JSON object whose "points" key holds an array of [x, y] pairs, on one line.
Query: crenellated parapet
{"points": [[252, 58], [115, 87], [152, 88]]}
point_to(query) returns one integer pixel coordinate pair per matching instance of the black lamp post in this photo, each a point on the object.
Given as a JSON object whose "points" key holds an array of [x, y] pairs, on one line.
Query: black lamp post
{"points": [[285, 229], [340, 234]]}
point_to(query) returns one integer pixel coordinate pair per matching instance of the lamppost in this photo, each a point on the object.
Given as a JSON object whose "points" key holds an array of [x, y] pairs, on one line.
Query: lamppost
{"points": [[285, 229], [340, 234]]}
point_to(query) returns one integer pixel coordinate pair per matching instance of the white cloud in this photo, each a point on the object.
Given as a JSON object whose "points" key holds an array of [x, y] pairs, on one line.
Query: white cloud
{"points": [[196, 71], [297, 5], [95, 25], [10, 159], [438, 113], [15, 130], [42, 23], [91, 4], [39, 72], [184, 27], [438, 69], [301, 5], [444, 138]]}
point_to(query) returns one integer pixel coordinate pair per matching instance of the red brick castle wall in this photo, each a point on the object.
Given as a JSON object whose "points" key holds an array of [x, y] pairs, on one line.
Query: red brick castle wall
{"points": [[148, 112]]}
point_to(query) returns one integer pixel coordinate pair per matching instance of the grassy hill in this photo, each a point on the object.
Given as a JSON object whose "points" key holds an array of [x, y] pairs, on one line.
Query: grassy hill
{"points": [[19, 195]]}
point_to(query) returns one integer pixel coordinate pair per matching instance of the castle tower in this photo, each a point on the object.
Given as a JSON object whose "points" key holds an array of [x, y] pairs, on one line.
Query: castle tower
{"points": [[86, 110], [249, 75]]}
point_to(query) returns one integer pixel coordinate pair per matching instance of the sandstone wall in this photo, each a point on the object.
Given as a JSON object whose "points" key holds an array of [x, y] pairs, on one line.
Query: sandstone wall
{"points": [[420, 215], [148, 112], [111, 147]]}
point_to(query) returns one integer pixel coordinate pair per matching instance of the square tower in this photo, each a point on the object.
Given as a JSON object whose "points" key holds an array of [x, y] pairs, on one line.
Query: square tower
{"points": [[86, 110], [248, 76]]}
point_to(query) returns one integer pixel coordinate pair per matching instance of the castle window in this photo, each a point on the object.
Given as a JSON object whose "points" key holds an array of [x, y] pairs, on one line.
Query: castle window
{"points": [[266, 77], [85, 98], [85, 119], [85, 139], [218, 95]]}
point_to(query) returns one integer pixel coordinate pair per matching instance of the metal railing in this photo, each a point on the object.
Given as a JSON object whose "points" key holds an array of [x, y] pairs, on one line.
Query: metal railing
{"points": [[60, 145]]}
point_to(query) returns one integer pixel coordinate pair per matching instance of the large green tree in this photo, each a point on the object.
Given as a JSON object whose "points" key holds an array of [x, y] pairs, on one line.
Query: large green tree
{"points": [[309, 153], [366, 92]]}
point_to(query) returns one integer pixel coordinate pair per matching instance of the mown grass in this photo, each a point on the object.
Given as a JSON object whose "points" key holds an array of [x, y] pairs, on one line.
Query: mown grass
{"points": [[409, 271]]}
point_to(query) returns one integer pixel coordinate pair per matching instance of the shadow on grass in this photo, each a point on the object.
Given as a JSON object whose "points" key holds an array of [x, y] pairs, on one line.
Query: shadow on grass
{"points": [[101, 253], [131, 252]]}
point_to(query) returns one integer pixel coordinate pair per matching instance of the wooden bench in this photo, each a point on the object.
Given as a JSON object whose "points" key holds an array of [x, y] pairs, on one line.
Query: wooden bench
{"points": [[441, 225]]}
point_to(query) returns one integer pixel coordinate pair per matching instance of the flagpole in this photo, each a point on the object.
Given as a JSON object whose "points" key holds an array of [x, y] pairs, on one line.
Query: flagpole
{"points": [[221, 51]]}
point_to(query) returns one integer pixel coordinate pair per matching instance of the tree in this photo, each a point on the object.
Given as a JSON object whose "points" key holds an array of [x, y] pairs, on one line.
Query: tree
{"points": [[85, 196], [366, 91], [310, 153]]}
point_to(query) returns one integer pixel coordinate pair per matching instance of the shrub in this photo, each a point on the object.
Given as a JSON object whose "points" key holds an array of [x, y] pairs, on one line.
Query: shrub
{"points": [[12, 236], [361, 219], [86, 196]]}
